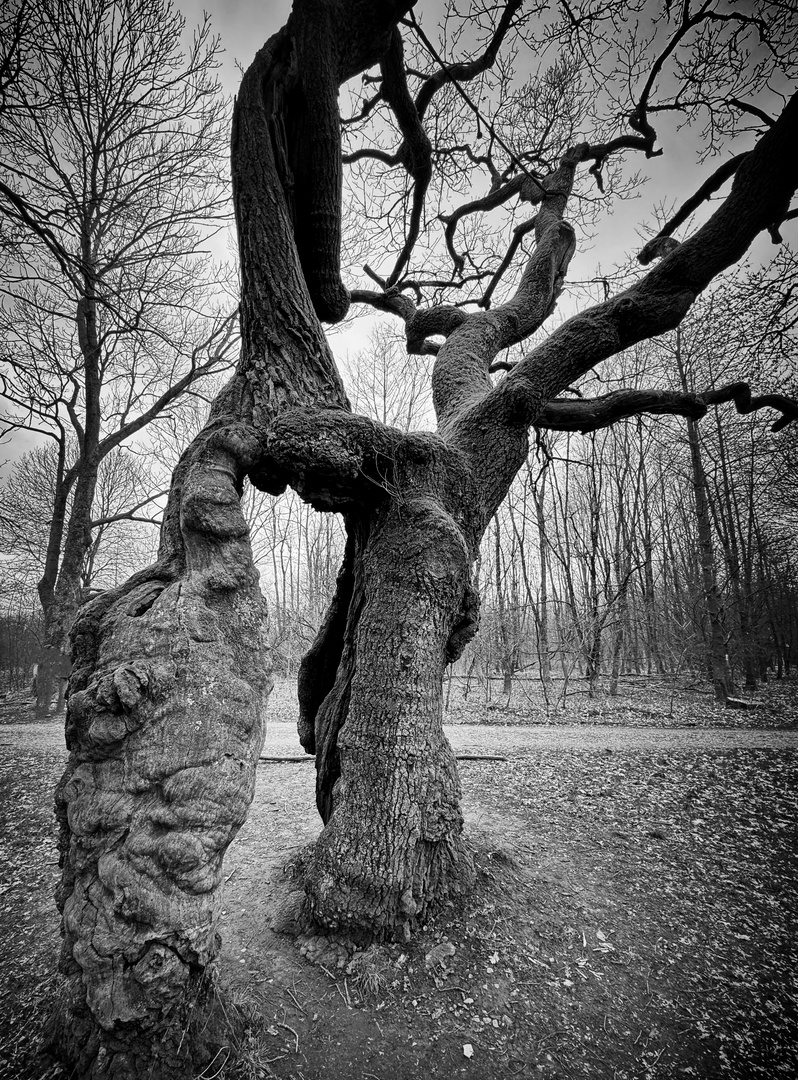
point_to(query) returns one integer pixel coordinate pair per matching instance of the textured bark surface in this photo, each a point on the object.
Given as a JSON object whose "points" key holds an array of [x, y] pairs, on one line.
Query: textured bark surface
{"points": [[387, 784], [165, 716], [393, 845], [164, 727]]}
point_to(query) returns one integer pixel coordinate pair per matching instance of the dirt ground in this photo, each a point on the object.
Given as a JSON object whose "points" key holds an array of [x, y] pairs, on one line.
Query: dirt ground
{"points": [[634, 916]]}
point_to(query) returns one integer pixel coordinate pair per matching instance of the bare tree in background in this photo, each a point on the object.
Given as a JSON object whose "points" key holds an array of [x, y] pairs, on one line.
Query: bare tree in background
{"points": [[112, 182], [170, 679]]}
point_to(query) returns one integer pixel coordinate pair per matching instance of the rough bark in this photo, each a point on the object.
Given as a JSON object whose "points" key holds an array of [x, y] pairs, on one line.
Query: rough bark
{"points": [[164, 728], [393, 846], [166, 706]]}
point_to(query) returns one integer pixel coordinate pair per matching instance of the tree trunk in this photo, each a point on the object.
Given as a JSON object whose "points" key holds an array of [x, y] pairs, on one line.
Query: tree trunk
{"points": [[165, 718], [392, 849], [164, 728], [718, 660], [544, 648], [717, 655]]}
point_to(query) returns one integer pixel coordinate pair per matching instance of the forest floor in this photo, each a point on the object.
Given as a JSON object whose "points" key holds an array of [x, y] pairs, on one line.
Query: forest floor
{"points": [[634, 916]]}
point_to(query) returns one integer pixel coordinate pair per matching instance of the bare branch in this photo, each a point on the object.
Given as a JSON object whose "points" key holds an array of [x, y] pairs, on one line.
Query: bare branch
{"points": [[420, 323], [494, 198], [132, 513], [590, 414], [654, 248], [748, 107], [415, 152], [762, 188], [464, 71]]}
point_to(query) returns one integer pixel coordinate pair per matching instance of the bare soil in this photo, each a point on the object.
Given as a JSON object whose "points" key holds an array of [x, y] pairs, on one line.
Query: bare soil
{"points": [[634, 915]]}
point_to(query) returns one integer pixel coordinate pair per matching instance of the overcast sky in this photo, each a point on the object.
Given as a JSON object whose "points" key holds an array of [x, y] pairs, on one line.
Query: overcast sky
{"points": [[244, 25]]}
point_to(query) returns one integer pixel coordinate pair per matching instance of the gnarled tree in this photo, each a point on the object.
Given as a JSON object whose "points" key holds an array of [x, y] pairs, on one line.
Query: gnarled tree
{"points": [[165, 715]]}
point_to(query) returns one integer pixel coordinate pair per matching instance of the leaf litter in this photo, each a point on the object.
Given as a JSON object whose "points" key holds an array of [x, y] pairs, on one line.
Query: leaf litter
{"points": [[634, 918]]}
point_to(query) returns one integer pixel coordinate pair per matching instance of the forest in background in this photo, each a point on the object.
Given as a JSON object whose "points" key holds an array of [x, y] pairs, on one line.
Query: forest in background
{"points": [[656, 546]]}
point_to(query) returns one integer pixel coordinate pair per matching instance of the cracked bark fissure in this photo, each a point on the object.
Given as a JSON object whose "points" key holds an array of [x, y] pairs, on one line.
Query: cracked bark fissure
{"points": [[165, 717]]}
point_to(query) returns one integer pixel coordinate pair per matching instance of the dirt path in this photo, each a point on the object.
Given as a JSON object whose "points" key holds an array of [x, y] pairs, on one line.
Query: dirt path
{"points": [[560, 956], [281, 738]]}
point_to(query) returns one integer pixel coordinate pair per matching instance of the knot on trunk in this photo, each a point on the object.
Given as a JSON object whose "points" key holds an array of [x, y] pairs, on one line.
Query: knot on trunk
{"points": [[124, 688], [106, 710], [466, 626]]}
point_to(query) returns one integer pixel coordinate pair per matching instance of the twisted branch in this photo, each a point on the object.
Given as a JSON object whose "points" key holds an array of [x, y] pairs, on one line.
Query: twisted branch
{"points": [[591, 414]]}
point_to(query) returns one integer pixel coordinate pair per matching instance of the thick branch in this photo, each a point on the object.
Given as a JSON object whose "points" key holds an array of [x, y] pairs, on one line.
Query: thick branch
{"points": [[480, 423], [287, 143], [590, 414], [461, 370], [335, 460], [763, 186], [420, 323], [654, 247]]}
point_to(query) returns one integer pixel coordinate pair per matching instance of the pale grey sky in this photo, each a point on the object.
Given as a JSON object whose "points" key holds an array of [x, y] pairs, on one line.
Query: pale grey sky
{"points": [[244, 25]]}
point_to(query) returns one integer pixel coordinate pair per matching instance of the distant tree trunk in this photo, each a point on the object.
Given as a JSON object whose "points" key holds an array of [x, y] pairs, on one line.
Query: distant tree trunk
{"points": [[59, 588], [717, 656], [653, 657], [718, 660], [55, 626], [544, 648], [727, 525], [506, 645], [623, 570]]}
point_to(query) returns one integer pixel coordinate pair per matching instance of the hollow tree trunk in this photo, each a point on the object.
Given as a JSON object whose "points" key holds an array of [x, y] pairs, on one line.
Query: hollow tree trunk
{"points": [[164, 729]]}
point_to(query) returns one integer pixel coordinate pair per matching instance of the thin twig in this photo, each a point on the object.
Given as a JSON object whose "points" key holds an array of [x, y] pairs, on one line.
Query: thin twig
{"points": [[296, 1037]]}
